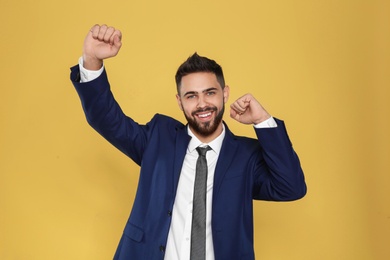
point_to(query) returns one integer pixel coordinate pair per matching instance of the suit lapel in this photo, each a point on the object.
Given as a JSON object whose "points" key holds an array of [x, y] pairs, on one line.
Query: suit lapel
{"points": [[225, 159], [182, 140], [226, 156]]}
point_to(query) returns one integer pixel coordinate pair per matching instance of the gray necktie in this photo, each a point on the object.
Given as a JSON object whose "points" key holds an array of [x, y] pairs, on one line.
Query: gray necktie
{"points": [[198, 233]]}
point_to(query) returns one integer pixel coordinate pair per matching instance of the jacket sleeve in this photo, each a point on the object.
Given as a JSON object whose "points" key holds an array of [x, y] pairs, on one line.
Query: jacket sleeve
{"points": [[283, 179], [105, 115]]}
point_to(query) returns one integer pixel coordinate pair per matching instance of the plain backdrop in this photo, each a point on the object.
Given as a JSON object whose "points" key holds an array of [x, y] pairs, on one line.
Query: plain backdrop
{"points": [[322, 66]]}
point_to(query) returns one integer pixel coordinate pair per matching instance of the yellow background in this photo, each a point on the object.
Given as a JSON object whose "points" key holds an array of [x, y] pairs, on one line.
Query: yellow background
{"points": [[322, 66]]}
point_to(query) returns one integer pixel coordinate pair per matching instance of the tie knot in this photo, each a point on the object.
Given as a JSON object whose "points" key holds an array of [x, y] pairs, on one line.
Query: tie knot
{"points": [[203, 150]]}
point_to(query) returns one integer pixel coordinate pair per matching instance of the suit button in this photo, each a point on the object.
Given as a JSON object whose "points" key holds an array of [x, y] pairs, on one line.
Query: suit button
{"points": [[169, 213], [162, 248]]}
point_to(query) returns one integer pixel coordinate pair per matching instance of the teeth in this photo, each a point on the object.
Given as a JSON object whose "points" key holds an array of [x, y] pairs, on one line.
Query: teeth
{"points": [[205, 115]]}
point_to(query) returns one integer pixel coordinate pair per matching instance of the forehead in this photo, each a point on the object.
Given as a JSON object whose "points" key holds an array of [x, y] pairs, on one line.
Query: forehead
{"points": [[199, 81]]}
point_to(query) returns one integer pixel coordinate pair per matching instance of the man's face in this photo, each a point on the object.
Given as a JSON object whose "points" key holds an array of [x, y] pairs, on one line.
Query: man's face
{"points": [[203, 102]]}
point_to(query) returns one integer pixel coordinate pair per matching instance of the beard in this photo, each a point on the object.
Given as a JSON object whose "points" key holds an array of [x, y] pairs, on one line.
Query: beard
{"points": [[205, 128]]}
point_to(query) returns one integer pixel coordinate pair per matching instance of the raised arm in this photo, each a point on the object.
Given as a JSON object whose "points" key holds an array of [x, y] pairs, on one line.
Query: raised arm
{"points": [[103, 113], [285, 180]]}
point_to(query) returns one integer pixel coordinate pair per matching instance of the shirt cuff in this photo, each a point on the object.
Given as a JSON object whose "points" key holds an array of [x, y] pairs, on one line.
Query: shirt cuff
{"points": [[269, 123], [88, 75]]}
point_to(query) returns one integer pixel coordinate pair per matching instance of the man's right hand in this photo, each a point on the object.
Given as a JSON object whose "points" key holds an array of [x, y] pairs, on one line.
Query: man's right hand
{"points": [[102, 42]]}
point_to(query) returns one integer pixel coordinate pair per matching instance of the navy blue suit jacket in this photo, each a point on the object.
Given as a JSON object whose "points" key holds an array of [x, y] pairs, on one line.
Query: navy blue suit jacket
{"points": [[247, 169]]}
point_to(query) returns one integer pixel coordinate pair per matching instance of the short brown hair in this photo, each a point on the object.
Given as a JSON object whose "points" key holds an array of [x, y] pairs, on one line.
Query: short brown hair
{"points": [[196, 63]]}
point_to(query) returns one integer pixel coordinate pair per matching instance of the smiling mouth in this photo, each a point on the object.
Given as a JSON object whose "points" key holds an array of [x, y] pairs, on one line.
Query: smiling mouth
{"points": [[204, 117], [204, 114]]}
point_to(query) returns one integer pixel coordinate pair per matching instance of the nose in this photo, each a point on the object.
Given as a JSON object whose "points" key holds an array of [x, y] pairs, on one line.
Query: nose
{"points": [[201, 102]]}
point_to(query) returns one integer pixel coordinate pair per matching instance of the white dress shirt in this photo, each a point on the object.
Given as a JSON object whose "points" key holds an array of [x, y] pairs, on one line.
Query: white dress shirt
{"points": [[179, 238]]}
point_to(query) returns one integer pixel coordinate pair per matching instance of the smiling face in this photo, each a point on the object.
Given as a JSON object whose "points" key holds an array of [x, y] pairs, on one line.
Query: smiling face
{"points": [[202, 100]]}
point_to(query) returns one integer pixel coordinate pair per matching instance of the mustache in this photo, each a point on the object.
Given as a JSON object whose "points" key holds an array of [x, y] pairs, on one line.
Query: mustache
{"points": [[206, 109]]}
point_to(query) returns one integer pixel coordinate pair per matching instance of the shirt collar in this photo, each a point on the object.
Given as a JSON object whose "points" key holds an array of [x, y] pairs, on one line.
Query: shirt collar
{"points": [[216, 144]]}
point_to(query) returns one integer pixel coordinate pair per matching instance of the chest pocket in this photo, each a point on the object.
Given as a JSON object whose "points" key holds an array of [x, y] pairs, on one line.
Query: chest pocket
{"points": [[133, 232]]}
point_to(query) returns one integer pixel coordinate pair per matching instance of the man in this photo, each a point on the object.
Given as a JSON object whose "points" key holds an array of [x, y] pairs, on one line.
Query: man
{"points": [[168, 220]]}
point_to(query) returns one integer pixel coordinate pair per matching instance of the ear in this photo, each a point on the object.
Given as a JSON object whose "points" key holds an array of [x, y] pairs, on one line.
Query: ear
{"points": [[179, 102], [226, 92]]}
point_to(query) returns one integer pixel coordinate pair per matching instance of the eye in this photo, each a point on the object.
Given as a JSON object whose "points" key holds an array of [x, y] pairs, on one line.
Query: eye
{"points": [[191, 96], [210, 93]]}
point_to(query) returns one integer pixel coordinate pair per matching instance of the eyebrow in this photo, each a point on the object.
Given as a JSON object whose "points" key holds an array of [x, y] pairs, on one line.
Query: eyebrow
{"points": [[195, 92]]}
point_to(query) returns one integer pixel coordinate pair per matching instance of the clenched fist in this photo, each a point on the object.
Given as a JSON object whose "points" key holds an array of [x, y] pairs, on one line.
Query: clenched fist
{"points": [[101, 42], [248, 110]]}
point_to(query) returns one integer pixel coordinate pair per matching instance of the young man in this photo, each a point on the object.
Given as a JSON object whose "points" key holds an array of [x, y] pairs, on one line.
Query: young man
{"points": [[173, 217]]}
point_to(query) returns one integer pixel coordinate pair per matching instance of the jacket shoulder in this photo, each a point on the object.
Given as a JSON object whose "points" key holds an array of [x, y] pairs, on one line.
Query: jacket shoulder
{"points": [[167, 121]]}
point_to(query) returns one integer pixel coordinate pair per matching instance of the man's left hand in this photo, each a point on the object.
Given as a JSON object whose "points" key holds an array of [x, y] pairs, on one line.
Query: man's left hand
{"points": [[247, 110]]}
